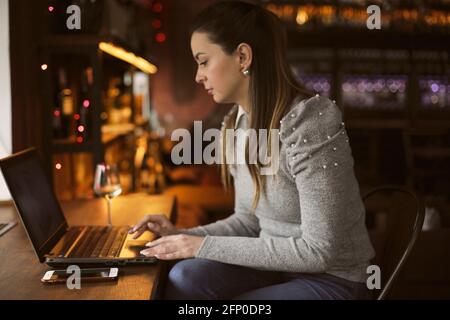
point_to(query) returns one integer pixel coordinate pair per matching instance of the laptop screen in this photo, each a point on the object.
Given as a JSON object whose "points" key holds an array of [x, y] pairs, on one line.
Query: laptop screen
{"points": [[33, 196]]}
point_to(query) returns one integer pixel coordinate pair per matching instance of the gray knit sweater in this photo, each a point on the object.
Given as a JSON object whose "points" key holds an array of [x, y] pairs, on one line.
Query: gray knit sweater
{"points": [[312, 219]]}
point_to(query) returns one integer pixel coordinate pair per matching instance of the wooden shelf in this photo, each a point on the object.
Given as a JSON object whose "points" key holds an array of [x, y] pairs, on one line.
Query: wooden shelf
{"points": [[79, 40], [57, 51], [111, 133]]}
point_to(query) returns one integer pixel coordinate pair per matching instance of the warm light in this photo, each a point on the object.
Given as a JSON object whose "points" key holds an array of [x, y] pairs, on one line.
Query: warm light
{"points": [[81, 128], [80, 139], [86, 103], [156, 24], [50, 9], [57, 113], [129, 57], [157, 7], [76, 116], [58, 166], [288, 10], [44, 67], [302, 17], [160, 37]]}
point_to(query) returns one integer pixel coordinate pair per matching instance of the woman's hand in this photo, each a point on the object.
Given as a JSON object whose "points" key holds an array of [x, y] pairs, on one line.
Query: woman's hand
{"points": [[180, 246], [158, 224]]}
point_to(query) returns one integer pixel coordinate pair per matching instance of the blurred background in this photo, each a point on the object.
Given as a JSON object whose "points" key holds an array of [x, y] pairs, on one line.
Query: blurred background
{"points": [[115, 90]]}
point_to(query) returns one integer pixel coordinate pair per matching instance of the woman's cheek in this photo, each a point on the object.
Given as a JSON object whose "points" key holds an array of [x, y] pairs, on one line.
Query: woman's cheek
{"points": [[213, 72], [220, 77]]}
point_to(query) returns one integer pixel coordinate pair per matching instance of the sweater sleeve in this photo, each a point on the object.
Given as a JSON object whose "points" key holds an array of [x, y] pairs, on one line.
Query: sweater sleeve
{"points": [[320, 164], [238, 224]]}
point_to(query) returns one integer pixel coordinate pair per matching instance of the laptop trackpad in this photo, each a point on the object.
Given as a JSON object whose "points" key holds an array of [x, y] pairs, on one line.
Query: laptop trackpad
{"points": [[132, 248]]}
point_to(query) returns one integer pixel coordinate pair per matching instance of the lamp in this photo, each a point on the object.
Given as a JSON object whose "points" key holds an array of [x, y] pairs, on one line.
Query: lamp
{"points": [[128, 57]]}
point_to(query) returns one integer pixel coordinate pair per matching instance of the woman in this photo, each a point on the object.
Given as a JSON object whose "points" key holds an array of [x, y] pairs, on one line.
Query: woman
{"points": [[301, 233]]}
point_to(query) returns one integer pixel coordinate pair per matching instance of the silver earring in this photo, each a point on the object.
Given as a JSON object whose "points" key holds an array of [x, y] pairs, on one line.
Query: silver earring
{"points": [[246, 72]]}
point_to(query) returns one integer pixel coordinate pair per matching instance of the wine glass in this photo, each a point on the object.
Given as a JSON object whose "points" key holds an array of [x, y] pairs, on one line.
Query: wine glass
{"points": [[107, 184]]}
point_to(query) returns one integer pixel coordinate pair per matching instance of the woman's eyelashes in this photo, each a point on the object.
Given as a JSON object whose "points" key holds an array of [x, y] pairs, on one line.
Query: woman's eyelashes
{"points": [[203, 63]]}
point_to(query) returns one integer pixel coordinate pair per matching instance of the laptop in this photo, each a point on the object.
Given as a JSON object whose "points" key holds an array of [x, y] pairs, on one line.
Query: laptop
{"points": [[54, 242]]}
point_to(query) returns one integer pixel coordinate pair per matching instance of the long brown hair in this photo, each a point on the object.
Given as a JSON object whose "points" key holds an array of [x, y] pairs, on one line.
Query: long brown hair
{"points": [[273, 86]]}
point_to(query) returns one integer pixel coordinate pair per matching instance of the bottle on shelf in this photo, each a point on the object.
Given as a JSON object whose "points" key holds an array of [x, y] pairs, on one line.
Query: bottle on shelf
{"points": [[83, 115], [63, 124], [118, 100], [374, 92], [152, 176]]}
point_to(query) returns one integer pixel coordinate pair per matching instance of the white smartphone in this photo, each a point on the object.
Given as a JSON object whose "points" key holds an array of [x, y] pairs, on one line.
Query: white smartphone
{"points": [[5, 227], [87, 275]]}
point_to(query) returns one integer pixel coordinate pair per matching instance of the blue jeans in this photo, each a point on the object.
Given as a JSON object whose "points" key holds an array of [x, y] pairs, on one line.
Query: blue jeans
{"points": [[204, 279]]}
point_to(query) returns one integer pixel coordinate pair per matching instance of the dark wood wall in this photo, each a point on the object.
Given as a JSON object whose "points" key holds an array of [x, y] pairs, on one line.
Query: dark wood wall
{"points": [[26, 29]]}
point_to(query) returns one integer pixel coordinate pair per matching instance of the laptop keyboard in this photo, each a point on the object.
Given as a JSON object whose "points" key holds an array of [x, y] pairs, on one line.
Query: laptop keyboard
{"points": [[97, 242], [69, 239]]}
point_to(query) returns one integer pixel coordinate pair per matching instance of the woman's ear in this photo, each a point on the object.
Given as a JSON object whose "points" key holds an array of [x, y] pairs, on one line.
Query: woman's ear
{"points": [[245, 55]]}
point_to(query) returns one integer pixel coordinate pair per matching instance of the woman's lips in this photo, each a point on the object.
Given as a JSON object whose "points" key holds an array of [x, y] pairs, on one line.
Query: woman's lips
{"points": [[210, 91]]}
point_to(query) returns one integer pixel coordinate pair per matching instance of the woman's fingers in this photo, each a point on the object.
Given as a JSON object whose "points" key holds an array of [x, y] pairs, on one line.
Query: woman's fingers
{"points": [[161, 248], [159, 241], [154, 227], [139, 225], [169, 256], [140, 228], [171, 247], [142, 225], [140, 232]]}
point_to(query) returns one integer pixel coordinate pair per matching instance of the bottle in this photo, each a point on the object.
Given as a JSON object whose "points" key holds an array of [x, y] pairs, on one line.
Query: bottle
{"points": [[83, 116], [158, 178], [59, 128], [65, 105], [57, 125], [152, 175], [144, 173]]}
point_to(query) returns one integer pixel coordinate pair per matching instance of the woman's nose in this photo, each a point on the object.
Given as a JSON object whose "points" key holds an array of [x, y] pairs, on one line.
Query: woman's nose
{"points": [[199, 78]]}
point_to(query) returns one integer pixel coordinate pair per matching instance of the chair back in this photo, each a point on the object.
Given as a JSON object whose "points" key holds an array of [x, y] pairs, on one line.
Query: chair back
{"points": [[397, 214]]}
